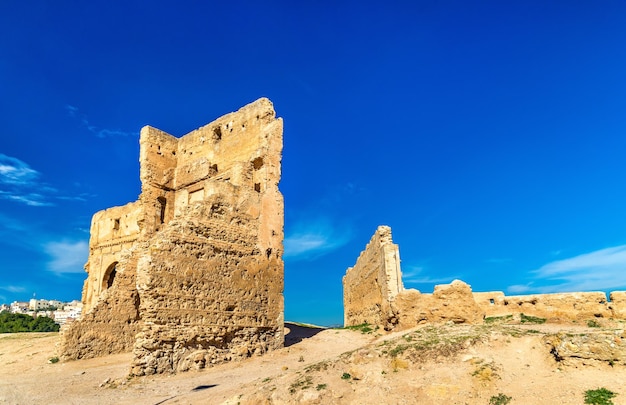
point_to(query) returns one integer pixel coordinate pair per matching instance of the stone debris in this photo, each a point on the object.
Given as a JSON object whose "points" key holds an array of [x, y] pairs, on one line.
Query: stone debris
{"points": [[609, 347]]}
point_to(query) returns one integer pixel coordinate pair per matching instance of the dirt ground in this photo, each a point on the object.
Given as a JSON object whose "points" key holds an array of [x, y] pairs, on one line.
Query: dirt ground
{"points": [[325, 366]]}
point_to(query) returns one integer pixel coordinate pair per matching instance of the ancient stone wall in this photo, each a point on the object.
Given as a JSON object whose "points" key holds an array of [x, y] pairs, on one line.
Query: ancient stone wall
{"points": [[370, 286], [373, 294], [203, 248], [452, 302], [113, 231], [211, 284], [559, 307]]}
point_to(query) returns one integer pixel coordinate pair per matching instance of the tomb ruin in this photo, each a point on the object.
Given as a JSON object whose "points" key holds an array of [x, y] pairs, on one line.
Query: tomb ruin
{"points": [[374, 294], [191, 274]]}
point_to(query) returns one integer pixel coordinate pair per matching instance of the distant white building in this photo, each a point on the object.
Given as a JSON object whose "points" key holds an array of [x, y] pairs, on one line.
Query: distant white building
{"points": [[70, 312], [19, 307], [4, 307]]}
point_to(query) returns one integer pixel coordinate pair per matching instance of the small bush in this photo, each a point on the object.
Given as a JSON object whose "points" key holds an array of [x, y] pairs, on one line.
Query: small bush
{"points": [[346, 376], [499, 399], [53, 360], [592, 323], [600, 396], [498, 319], [321, 387], [363, 328], [531, 319]]}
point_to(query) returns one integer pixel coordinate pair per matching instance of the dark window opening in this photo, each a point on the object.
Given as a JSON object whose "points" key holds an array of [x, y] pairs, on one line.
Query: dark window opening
{"points": [[116, 224], [257, 187], [109, 276], [492, 301], [257, 163], [162, 203]]}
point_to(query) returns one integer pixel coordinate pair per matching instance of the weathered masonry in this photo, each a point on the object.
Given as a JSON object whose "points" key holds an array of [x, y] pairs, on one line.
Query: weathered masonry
{"points": [[374, 294], [191, 274]]}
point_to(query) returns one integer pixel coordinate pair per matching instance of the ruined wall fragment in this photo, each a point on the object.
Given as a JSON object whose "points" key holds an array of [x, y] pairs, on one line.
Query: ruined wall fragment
{"points": [[557, 307], [197, 261], [372, 283], [618, 304], [452, 302], [112, 322], [211, 284]]}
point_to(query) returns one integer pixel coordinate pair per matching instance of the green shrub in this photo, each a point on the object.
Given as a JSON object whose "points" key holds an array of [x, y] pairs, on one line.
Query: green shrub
{"points": [[498, 319], [531, 319], [363, 328], [346, 376], [499, 399], [600, 396], [14, 323], [592, 323]]}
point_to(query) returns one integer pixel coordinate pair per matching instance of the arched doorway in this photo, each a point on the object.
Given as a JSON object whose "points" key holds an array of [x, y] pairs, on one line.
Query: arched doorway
{"points": [[109, 276]]}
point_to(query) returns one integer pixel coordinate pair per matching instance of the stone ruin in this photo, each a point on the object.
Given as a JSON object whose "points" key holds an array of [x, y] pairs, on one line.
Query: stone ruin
{"points": [[374, 294], [191, 274]]}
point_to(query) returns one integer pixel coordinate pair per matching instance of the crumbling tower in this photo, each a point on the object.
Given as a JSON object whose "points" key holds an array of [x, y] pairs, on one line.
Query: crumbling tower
{"points": [[195, 265]]}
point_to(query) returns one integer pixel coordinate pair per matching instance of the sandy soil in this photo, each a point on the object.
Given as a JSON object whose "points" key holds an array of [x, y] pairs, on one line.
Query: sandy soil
{"points": [[321, 366]]}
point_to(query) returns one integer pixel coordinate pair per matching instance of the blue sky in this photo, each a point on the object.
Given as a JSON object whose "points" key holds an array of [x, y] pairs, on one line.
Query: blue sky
{"points": [[489, 135]]}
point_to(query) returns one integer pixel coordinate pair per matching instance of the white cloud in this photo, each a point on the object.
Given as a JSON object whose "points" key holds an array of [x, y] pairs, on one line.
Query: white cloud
{"points": [[415, 275], [21, 184], [99, 132], [519, 288], [67, 257], [13, 289], [315, 238], [32, 199], [603, 269], [14, 171]]}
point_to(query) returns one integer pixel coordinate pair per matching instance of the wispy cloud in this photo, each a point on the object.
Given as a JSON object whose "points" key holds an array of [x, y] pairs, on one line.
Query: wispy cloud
{"points": [[315, 238], [519, 288], [603, 269], [13, 289], [19, 180], [14, 171], [418, 275], [66, 257], [74, 112], [22, 184]]}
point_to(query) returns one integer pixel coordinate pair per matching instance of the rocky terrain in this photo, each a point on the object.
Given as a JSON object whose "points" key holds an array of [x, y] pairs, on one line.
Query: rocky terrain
{"points": [[503, 361]]}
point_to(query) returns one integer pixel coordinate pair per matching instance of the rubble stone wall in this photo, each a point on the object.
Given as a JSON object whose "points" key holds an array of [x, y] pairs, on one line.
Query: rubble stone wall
{"points": [[448, 303], [113, 231], [374, 294], [203, 248], [559, 307], [373, 282]]}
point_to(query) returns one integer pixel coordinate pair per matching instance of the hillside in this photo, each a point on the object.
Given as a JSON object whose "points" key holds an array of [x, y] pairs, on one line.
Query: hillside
{"points": [[448, 364]]}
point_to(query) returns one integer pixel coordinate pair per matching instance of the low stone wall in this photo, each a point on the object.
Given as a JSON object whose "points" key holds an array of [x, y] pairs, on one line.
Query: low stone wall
{"points": [[374, 294], [452, 302], [559, 307]]}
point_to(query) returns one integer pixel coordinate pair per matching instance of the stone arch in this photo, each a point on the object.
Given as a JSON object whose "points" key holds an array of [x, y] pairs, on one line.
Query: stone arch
{"points": [[109, 276]]}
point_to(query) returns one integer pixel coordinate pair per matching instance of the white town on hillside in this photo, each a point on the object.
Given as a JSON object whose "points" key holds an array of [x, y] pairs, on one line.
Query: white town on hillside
{"points": [[61, 312]]}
